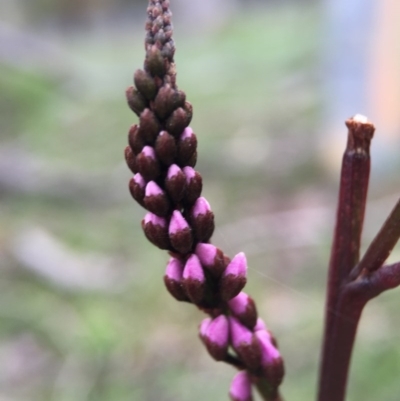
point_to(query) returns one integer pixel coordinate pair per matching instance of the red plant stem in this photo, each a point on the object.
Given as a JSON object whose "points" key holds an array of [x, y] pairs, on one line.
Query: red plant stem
{"points": [[341, 319]]}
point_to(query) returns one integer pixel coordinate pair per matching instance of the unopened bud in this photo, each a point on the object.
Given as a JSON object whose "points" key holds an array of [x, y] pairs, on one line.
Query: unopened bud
{"points": [[187, 146], [167, 100], [173, 279], [194, 185], [154, 62], [147, 164], [130, 159], [177, 122], [216, 337], [156, 200], [156, 230], [240, 389], [166, 149], [203, 328], [180, 233], [135, 140], [145, 84], [135, 100], [211, 257], [234, 277], [194, 281], [149, 126], [202, 219], [137, 187], [175, 183], [244, 308]]}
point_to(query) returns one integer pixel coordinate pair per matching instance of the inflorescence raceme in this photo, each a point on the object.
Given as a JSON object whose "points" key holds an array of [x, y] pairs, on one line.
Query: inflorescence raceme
{"points": [[162, 156]]}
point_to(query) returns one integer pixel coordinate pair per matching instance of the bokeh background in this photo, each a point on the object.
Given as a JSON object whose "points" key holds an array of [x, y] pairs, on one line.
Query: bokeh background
{"points": [[84, 315]]}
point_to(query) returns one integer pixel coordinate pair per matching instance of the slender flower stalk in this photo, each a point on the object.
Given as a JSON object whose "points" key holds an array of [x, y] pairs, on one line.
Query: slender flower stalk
{"points": [[162, 154]]}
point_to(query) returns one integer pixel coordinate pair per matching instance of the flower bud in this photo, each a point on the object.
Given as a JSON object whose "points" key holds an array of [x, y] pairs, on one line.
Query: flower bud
{"points": [[147, 164], [194, 281], [271, 360], [211, 257], [156, 200], [240, 389], [244, 309], [194, 185], [187, 146], [136, 101], [154, 63], [156, 230], [203, 328], [149, 126], [216, 337], [137, 187], [175, 183], [234, 277], [177, 122], [135, 141], [173, 279], [245, 344], [167, 100], [180, 233], [145, 84], [166, 149], [202, 219], [130, 159]]}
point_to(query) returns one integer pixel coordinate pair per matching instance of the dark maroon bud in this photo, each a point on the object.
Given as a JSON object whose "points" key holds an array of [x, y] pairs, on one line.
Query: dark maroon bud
{"points": [[180, 233], [168, 50], [245, 343], [130, 159], [194, 185], [187, 145], [177, 122], [156, 230], [149, 126], [234, 277], [147, 164], [194, 281], [167, 101], [211, 257], [154, 63], [137, 187], [173, 279], [189, 111], [145, 84], [193, 160], [135, 100], [166, 148], [156, 200], [136, 142], [244, 309], [202, 219], [175, 183]]}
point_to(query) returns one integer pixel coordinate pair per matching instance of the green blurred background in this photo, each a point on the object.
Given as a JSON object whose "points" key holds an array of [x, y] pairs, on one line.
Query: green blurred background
{"points": [[84, 315]]}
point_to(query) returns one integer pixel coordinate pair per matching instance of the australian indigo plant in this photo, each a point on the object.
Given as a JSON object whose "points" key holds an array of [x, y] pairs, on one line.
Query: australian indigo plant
{"points": [[162, 156]]}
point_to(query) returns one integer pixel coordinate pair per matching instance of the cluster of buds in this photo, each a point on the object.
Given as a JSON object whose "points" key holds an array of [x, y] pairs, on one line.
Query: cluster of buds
{"points": [[162, 155]]}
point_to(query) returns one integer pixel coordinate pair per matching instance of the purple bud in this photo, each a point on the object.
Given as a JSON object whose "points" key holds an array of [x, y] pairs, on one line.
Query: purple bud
{"points": [[271, 360], [234, 277], [211, 258], [135, 99], [216, 337], [155, 200], [180, 233], [137, 188], [194, 280], [245, 344], [130, 159], [173, 279], [154, 63], [260, 325], [240, 389], [202, 219], [178, 121], [147, 164], [166, 148], [244, 308], [136, 142], [156, 230], [149, 126], [175, 183], [194, 185], [145, 84], [187, 146], [203, 328]]}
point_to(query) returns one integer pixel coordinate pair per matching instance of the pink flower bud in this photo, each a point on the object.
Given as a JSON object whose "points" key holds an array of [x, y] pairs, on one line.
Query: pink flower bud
{"points": [[180, 233], [203, 328], [175, 183], [187, 146], [260, 325], [211, 258], [137, 188], [240, 389], [173, 279], [194, 185], [244, 308], [202, 219], [155, 200], [271, 360], [234, 277], [156, 230], [216, 337], [147, 164], [194, 280]]}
